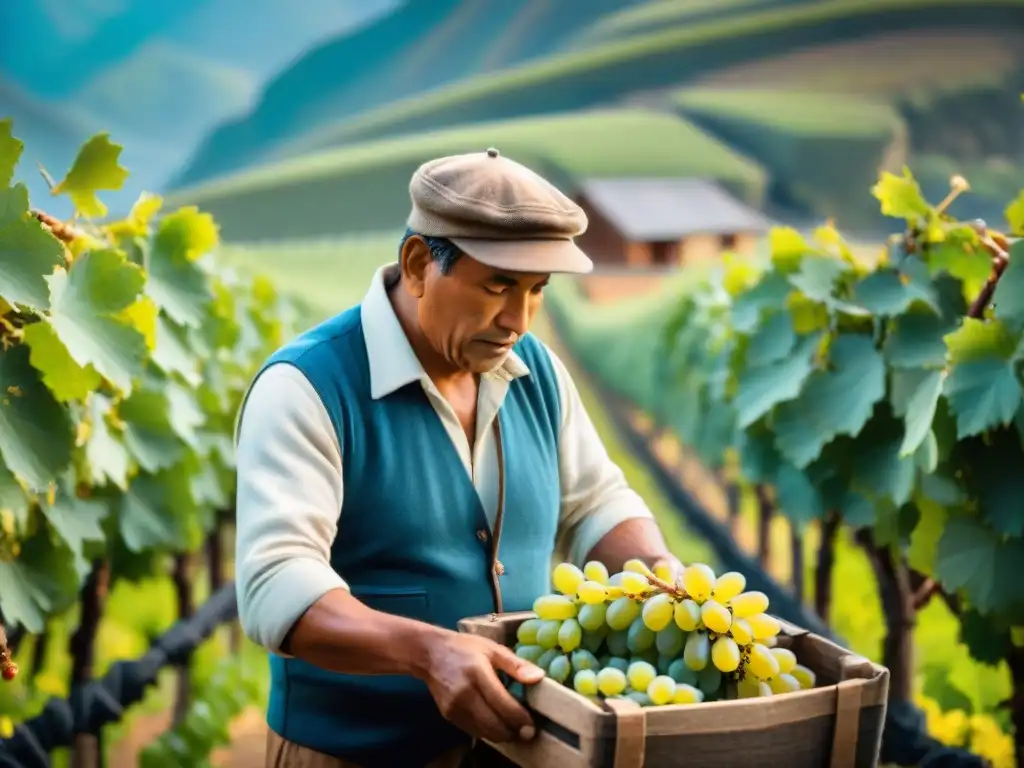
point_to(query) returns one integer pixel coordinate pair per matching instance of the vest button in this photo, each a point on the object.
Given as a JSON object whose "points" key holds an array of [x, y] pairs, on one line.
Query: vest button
{"points": [[482, 535], [499, 568]]}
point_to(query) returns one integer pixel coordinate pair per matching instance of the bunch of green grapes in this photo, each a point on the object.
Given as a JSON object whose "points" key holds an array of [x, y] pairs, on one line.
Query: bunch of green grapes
{"points": [[637, 635]]}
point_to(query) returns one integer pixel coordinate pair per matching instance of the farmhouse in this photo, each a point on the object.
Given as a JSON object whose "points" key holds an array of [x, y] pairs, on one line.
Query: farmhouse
{"points": [[641, 230]]}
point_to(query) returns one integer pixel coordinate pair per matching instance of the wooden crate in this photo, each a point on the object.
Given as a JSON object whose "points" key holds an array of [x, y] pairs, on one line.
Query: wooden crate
{"points": [[836, 725]]}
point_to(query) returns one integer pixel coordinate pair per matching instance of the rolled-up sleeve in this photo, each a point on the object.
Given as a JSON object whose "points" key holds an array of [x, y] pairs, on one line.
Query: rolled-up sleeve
{"points": [[288, 502], [595, 495]]}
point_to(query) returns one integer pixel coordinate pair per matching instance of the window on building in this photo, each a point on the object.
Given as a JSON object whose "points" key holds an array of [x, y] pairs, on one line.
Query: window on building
{"points": [[665, 254], [728, 242]]}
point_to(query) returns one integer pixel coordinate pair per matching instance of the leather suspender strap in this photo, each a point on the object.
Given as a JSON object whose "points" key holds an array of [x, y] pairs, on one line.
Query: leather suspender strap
{"points": [[497, 569]]}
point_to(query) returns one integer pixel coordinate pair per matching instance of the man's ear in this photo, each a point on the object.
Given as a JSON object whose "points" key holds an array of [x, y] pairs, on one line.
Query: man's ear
{"points": [[415, 264]]}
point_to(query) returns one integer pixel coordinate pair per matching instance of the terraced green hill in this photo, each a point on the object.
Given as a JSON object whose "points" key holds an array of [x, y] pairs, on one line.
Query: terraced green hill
{"points": [[364, 187]]}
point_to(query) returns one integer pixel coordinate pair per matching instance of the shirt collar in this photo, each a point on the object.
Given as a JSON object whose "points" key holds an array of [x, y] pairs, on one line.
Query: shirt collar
{"points": [[393, 363]]}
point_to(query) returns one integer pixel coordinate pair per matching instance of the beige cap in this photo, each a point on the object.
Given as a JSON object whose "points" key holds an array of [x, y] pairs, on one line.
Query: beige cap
{"points": [[499, 212]]}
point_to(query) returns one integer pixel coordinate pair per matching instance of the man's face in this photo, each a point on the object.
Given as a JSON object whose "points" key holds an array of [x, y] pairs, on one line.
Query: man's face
{"points": [[473, 315]]}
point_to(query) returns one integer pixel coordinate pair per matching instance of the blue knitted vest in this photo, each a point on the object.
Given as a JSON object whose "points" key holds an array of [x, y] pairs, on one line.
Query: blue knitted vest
{"points": [[407, 539]]}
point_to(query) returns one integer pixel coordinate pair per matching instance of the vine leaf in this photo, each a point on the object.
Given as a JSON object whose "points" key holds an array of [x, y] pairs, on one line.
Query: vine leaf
{"points": [[77, 521], [915, 397], [1015, 214], [176, 282], [983, 394], [973, 558], [68, 380], [900, 196], [95, 167], [798, 497], [773, 341], [999, 492], [40, 583], [1008, 299], [764, 387], [888, 292], [28, 252], [917, 341], [105, 453], [833, 402], [36, 433], [10, 151]]}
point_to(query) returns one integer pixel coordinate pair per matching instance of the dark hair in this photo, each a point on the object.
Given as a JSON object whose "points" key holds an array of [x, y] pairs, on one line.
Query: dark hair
{"points": [[443, 251]]}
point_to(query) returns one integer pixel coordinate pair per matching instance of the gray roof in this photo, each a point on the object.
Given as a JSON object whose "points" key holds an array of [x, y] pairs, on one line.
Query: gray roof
{"points": [[653, 209]]}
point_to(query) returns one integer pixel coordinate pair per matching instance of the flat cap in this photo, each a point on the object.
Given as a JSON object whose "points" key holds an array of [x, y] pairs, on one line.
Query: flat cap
{"points": [[499, 212]]}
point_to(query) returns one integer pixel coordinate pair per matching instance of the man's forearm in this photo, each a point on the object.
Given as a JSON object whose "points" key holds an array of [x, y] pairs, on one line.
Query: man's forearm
{"points": [[636, 538], [341, 634]]}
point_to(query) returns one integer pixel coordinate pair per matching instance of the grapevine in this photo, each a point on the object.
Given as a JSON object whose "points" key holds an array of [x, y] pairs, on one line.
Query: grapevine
{"points": [[882, 392], [636, 635], [124, 352]]}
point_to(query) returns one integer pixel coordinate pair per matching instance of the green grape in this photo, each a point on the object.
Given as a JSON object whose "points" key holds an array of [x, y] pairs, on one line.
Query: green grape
{"points": [[640, 674], [740, 631], [661, 690], [725, 654], [728, 585], [640, 698], [584, 660], [650, 656], [622, 613], [786, 659], [567, 578], [709, 679], [615, 580], [593, 641], [663, 572], [658, 611], [585, 682], [558, 607], [529, 652], [716, 617], [783, 683], [618, 642], [663, 663], [639, 638], [697, 650], [592, 616], [560, 668], [570, 635], [762, 664], [635, 565], [681, 673], [619, 663], [547, 657], [547, 635], [635, 583], [763, 626], [611, 681], [595, 571], [670, 640], [527, 632], [746, 604], [592, 593], [698, 581], [687, 694], [687, 615], [804, 676]]}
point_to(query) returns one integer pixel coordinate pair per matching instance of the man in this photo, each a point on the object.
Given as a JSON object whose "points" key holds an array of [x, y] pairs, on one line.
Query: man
{"points": [[415, 460]]}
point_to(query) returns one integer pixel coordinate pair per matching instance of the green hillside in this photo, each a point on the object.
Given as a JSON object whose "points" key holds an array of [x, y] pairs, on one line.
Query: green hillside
{"points": [[663, 59], [820, 150], [365, 186], [421, 45]]}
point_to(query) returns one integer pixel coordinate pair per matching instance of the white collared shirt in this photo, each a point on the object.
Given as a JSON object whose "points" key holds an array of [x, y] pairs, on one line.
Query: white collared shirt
{"points": [[290, 490]]}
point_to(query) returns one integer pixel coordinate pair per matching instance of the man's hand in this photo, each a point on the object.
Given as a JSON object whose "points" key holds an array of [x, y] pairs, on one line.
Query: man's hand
{"points": [[462, 679]]}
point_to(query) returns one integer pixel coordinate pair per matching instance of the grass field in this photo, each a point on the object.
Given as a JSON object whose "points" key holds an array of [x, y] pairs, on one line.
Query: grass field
{"points": [[365, 187], [670, 56]]}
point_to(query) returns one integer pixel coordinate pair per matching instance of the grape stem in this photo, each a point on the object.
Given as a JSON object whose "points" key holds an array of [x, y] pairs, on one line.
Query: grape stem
{"points": [[1000, 258], [676, 591]]}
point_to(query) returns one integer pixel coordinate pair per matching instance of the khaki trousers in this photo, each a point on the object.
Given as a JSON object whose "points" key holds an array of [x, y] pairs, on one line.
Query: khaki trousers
{"points": [[282, 753]]}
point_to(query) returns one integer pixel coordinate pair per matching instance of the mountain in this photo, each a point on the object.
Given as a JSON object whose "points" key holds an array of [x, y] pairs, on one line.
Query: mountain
{"points": [[417, 47]]}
